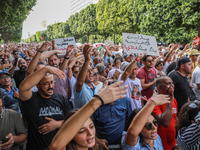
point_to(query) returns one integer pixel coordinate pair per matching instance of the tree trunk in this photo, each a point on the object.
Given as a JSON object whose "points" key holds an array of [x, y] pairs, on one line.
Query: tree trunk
{"points": [[105, 37], [88, 38], [198, 31]]}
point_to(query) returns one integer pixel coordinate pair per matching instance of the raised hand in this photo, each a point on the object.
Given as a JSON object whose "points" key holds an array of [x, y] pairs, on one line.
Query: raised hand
{"points": [[45, 46], [160, 99], [112, 92], [86, 52], [52, 70]]}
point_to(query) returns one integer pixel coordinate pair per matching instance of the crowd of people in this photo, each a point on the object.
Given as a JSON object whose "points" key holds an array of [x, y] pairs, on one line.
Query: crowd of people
{"points": [[95, 98]]}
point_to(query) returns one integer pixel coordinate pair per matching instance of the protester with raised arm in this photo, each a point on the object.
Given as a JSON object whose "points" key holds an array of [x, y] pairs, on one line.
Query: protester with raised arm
{"points": [[45, 110], [141, 129], [84, 89], [79, 127]]}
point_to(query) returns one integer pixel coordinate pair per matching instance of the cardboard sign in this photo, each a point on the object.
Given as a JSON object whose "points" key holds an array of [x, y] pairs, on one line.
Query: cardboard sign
{"points": [[138, 43], [63, 43], [106, 42]]}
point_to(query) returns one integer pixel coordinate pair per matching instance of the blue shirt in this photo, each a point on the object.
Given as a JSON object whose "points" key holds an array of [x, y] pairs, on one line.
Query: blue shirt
{"points": [[110, 120], [141, 145], [9, 101], [84, 95]]}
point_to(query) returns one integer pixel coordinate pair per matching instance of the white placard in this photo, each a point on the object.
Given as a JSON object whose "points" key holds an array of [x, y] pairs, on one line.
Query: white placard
{"points": [[106, 42], [138, 43], [63, 43]]}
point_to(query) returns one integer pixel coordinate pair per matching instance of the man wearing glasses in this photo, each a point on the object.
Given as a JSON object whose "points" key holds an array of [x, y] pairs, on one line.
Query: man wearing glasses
{"points": [[166, 114], [147, 76], [45, 109]]}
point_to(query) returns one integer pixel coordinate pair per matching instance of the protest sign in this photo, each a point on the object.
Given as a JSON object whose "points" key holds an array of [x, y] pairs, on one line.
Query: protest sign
{"points": [[106, 42], [138, 43], [63, 43]]}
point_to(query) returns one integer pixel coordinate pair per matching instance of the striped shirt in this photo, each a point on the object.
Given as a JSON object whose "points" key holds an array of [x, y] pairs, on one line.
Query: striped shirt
{"points": [[189, 138]]}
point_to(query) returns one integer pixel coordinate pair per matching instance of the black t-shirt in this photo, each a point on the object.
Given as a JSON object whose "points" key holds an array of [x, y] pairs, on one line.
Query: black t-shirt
{"points": [[182, 88], [37, 108], [19, 76]]}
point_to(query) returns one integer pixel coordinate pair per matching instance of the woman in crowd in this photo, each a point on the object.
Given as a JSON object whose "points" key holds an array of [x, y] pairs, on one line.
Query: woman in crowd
{"points": [[141, 128], [79, 128], [188, 124]]}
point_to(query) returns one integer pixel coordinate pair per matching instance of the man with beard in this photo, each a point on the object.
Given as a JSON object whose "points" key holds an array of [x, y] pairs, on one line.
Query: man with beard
{"points": [[45, 110], [179, 77], [134, 84], [19, 75], [147, 76], [84, 89]]}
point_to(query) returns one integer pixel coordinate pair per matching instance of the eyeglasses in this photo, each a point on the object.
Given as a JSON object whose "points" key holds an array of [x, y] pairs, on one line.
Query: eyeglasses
{"points": [[47, 84], [95, 73], [5, 77], [149, 125], [16, 53], [75, 72], [193, 105], [150, 60]]}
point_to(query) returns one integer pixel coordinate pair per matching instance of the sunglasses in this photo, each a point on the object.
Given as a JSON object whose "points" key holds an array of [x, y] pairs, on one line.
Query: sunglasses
{"points": [[149, 125], [150, 60], [28, 59], [75, 72], [5, 77], [95, 73], [193, 105]]}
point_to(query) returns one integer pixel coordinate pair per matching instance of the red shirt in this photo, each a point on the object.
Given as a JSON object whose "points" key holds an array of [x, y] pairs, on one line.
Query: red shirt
{"points": [[148, 76], [167, 135]]}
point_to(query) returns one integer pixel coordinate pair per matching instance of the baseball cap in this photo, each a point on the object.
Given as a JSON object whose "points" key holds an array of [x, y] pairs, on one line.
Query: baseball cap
{"points": [[123, 65], [181, 61], [126, 55], [4, 71]]}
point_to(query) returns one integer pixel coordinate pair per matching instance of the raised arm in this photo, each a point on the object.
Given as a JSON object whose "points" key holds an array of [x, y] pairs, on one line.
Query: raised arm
{"points": [[25, 91], [47, 54], [82, 74], [75, 122], [67, 57], [36, 58], [141, 118], [71, 64]]}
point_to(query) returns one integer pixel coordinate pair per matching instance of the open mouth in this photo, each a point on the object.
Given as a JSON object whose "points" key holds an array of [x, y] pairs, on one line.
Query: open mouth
{"points": [[90, 141]]}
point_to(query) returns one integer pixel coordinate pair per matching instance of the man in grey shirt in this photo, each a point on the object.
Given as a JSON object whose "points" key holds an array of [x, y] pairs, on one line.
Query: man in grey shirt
{"points": [[12, 129]]}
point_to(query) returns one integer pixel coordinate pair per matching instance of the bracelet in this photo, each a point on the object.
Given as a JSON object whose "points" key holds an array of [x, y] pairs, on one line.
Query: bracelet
{"points": [[39, 50], [153, 101], [100, 99], [136, 59], [92, 106], [66, 57]]}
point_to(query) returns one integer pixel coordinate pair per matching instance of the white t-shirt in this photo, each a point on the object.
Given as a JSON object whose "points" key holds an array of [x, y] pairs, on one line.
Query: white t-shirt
{"points": [[72, 83], [196, 75], [98, 87], [134, 92]]}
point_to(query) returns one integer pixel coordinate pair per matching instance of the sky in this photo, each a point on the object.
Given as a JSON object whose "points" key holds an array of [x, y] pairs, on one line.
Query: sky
{"points": [[50, 10]]}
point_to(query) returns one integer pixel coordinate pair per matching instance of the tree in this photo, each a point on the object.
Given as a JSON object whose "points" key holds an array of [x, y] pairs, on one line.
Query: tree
{"points": [[74, 24], [87, 21]]}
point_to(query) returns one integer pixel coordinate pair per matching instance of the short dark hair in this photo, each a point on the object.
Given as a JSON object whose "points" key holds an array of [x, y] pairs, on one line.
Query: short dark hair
{"points": [[159, 62], [40, 63], [55, 55], [118, 58], [75, 66], [145, 57], [14, 51]]}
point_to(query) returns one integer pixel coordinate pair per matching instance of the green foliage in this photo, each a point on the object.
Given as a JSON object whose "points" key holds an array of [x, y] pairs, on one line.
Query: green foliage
{"points": [[38, 36]]}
